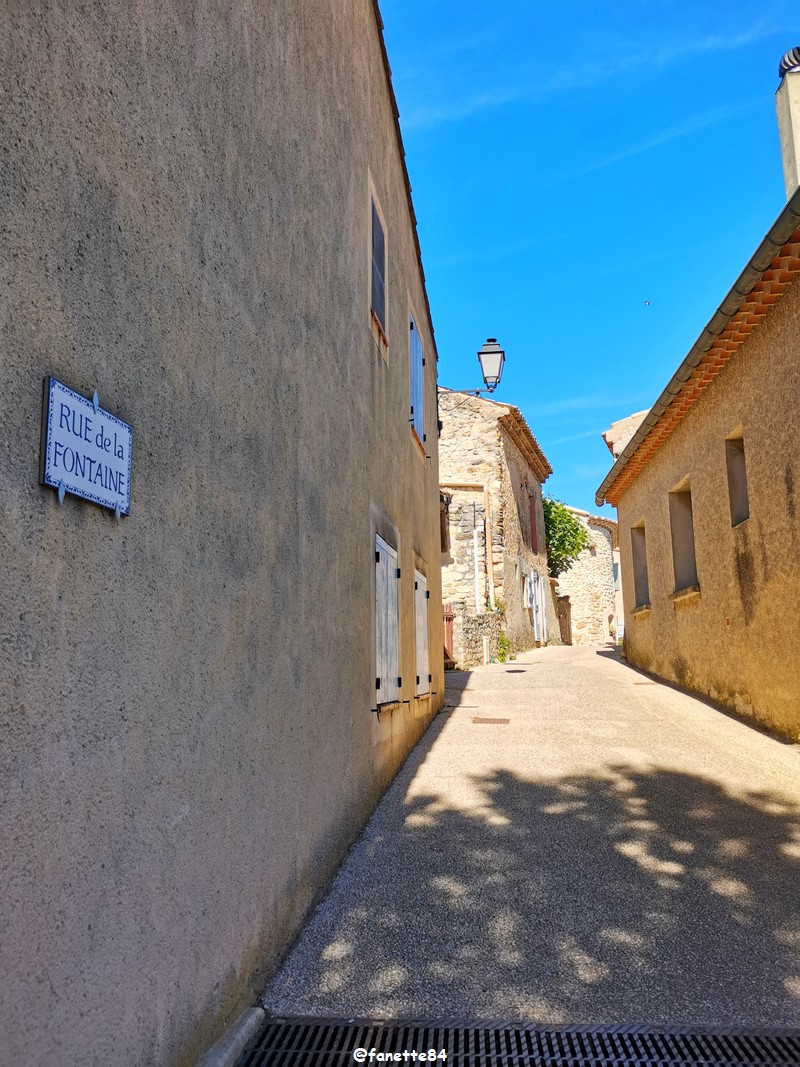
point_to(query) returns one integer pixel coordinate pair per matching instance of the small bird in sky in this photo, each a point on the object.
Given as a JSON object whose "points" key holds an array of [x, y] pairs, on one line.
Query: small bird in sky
{"points": [[647, 303]]}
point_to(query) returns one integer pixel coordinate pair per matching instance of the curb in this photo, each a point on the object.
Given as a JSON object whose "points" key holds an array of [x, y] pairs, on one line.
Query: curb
{"points": [[228, 1050]]}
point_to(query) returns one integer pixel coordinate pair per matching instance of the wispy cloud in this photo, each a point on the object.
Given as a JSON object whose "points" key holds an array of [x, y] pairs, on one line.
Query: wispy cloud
{"points": [[575, 437], [487, 254], [595, 471], [425, 116], [535, 84], [593, 402], [697, 122]]}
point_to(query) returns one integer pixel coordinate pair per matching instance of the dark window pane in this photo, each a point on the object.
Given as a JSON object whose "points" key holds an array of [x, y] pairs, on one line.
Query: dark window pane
{"points": [[378, 269]]}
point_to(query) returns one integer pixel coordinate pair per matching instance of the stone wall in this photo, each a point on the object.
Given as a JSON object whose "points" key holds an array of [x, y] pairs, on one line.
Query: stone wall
{"points": [[466, 516], [589, 584], [469, 631]]}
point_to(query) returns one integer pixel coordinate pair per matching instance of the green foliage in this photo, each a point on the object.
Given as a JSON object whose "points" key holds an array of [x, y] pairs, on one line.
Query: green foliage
{"points": [[566, 536], [503, 647]]}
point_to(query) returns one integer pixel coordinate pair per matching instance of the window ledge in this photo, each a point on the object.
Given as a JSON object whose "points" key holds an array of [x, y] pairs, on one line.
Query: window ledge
{"points": [[689, 593], [388, 706], [642, 612]]}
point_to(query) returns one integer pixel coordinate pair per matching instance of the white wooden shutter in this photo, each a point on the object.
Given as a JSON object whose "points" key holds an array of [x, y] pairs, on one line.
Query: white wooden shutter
{"points": [[532, 584], [423, 683], [387, 682], [417, 396]]}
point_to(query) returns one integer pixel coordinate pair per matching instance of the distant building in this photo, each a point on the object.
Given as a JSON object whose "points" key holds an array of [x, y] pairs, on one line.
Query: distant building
{"points": [[494, 556], [708, 488], [619, 433], [589, 583]]}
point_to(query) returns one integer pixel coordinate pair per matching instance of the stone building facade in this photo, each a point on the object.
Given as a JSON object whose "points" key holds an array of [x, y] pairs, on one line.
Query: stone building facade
{"points": [[707, 498], [589, 583], [494, 561], [190, 741]]}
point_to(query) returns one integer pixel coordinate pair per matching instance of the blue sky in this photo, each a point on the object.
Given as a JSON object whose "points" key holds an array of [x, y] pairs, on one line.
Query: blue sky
{"points": [[569, 163]]}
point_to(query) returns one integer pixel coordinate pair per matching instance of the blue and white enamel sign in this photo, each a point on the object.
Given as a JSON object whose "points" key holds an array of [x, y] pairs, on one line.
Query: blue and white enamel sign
{"points": [[85, 450]]}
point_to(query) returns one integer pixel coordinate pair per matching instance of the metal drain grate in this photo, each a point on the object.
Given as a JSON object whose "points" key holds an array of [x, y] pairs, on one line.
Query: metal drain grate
{"points": [[333, 1042]]}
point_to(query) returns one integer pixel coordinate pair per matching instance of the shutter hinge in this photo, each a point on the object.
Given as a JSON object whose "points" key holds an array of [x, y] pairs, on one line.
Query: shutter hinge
{"points": [[424, 438], [399, 683], [377, 683], [398, 572], [377, 557], [417, 679], [427, 594], [416, 585], [430, 677]]}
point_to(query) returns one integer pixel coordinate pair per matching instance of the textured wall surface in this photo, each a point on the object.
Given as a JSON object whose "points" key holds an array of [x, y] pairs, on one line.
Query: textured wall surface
{"points": [[188, 746], [478, 460], [738, 641], [589, 584]]}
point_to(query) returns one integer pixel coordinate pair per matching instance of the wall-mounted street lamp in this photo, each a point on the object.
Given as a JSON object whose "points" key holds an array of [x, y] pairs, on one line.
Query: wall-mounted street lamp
{"points": [[492, 359]]}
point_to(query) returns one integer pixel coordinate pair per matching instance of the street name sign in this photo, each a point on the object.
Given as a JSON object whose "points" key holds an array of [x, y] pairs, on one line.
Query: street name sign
{"points": [[86, 451]]}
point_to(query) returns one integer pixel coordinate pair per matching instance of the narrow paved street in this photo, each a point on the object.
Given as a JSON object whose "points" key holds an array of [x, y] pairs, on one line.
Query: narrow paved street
{"points": [[616, 852]]}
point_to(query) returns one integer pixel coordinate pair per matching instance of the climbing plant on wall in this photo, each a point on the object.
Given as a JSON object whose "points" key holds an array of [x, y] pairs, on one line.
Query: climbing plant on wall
{"points": [[566, 536]]}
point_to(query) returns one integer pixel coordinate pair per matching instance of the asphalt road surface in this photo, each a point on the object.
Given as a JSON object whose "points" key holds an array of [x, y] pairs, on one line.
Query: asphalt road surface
{"points": [[616, 852]]}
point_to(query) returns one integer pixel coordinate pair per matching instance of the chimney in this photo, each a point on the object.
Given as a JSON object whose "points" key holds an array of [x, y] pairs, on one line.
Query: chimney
{"points": [[788, 104]]}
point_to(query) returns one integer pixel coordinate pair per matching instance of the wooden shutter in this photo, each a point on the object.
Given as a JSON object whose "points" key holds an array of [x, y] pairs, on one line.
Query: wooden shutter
{"points": [[387, 683], [423, 683], [417, 401], [532, 601], [378, 269]]}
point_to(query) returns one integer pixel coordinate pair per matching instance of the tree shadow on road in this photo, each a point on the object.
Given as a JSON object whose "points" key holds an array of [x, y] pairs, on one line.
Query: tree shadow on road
{"points": [[625, 896]]}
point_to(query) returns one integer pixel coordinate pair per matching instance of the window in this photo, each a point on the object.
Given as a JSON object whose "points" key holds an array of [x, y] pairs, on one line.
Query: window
{"points": [[681, 524], [641, 584], [737, 479], [417, 361], [378, 288], [387, 575], [421, 625]]}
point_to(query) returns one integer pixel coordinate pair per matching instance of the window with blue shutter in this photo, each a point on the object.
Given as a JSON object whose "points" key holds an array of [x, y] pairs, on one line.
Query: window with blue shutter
{"points": [[423, 678], [417, 361], [387, 653], [378, 300]]}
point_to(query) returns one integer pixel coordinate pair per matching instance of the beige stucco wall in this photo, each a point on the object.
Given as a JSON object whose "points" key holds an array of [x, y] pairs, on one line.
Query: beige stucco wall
{"points": [[476, 451], [739, 641], [589, 584], [188, 746]]}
